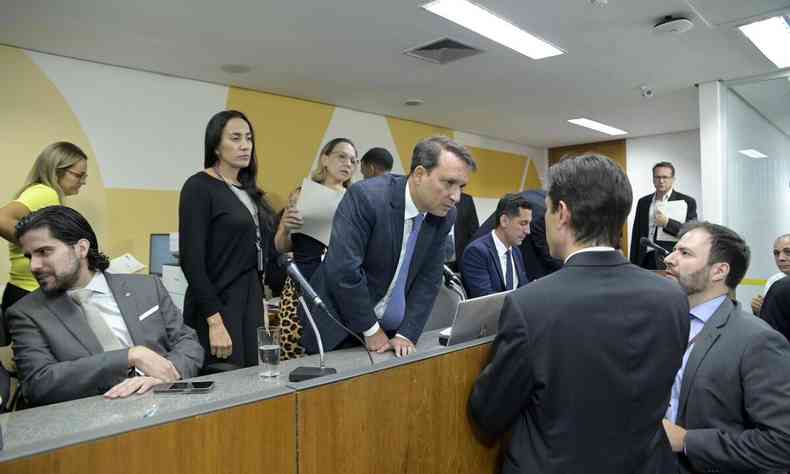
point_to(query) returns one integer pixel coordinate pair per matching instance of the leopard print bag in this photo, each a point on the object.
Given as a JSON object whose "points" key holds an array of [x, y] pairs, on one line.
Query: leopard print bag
{"points": [[290, 326]]}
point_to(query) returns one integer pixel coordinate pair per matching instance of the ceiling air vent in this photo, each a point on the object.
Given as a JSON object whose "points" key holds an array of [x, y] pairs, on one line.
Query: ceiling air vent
{"points": [[443, 51]]}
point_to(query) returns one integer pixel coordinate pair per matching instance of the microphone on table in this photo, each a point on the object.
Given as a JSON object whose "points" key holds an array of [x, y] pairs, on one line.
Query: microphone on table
{"points": [[300, 374]]}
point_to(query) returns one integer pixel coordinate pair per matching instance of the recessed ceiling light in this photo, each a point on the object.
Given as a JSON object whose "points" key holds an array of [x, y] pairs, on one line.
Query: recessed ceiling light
{"points": [[485, 23], [752, 153], [413, 102], [235, 68], [597, 126], [772, 38]]}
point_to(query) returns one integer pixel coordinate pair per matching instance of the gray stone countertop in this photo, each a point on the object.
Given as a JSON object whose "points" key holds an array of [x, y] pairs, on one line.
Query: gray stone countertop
{"points": [[37, 430]]}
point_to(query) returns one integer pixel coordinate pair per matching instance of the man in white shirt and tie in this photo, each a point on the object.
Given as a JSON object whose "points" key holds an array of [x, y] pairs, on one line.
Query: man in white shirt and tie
{"points": [[383, 266], [85, 332], [493, 263]]}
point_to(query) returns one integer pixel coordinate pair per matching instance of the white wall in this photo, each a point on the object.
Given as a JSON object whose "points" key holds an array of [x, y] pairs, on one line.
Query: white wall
{"points": [[682, 149]]}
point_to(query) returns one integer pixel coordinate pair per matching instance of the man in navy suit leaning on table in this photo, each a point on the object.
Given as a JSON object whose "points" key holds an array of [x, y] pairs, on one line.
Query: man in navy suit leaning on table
{"points": [[383, 267], [584, 357]]}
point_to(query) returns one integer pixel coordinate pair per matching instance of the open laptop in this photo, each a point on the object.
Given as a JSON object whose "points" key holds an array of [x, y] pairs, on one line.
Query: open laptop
{"points": [[475, 317]]}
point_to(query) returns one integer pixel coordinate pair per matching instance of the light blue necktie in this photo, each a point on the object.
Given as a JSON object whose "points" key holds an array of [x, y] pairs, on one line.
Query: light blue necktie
{"points": [[396, 308]]}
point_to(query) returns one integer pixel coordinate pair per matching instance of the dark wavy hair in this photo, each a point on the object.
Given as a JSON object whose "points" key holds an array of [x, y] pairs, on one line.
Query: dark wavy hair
{"points": [[68, 226], [248, 175], [597, 192]]}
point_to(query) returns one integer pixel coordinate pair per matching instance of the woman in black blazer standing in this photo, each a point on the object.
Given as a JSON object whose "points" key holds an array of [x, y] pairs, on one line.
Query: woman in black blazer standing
{"points": [[225, 233]]}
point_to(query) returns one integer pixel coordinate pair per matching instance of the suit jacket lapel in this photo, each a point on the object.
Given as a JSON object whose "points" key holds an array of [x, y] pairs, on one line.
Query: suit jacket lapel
{"points": [[75, 322], [705, 340], [494, 256], [128, 306]]}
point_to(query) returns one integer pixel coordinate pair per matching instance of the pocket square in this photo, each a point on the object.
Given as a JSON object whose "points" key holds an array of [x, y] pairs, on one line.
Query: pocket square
{"points": [[149, 312]]}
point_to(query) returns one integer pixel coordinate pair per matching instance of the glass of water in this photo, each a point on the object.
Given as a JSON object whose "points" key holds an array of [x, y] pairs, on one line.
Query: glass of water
{"points": [[269, 351]]}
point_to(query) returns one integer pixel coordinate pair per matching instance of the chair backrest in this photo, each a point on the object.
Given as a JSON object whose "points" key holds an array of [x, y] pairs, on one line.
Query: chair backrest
{"points": [[5, 337]]}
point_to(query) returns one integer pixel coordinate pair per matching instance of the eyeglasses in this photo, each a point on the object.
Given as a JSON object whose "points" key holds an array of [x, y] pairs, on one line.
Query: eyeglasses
{"points": [[662, 178], [344, 157], [83, 177]]}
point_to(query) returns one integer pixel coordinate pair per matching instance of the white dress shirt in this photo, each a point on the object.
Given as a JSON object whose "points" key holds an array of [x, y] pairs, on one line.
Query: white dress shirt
{"points": [[651, 217], [410, 211], [501, 250], [104, 302]]}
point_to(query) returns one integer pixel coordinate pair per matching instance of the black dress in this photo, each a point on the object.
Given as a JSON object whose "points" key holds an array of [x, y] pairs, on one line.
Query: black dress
{"points": [[219, 259]]}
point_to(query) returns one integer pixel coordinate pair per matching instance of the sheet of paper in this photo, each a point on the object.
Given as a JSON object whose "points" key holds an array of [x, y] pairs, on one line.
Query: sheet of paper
{"points": [[126, 263], [675, 210], [317, 204], [446, 331]]}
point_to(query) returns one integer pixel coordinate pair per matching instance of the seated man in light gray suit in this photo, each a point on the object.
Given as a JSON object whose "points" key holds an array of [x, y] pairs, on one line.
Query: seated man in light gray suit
{"points": [[730, 404], [85, 332]]}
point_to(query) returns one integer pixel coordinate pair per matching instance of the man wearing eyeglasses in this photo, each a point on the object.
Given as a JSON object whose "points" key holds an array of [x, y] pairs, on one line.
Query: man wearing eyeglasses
{"points": [[653, 218]]}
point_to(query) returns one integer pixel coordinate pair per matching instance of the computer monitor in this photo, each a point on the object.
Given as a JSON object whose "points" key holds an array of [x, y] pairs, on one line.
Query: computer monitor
{"points": [[159, 254], [477, 317]]}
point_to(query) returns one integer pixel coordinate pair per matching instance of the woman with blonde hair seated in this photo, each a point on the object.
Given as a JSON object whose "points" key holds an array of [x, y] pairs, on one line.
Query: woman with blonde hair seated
{"points": [[59, 171]]}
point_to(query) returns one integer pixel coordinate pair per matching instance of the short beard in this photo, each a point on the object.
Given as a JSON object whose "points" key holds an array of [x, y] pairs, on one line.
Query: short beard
{"points": [[65, 281], [696, 282]]}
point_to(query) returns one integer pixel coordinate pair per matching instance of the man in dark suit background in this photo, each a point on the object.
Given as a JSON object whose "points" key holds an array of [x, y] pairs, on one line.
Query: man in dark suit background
{"points": [[85, 332], [538, 261], [463, 231], [383, 267], [493, 262], [650, 218], [375, 162], [584, 357], [776, 307], [729, 409]]}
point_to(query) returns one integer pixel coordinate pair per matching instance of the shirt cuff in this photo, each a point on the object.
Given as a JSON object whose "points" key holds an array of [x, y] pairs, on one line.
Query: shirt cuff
{"points": [[373, 330], [403, 337]]}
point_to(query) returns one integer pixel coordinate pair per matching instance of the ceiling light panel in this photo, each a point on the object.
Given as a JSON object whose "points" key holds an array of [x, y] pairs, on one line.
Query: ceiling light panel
{"points": [[772, 38], [752, 153], [485, 23], [597, 126]]}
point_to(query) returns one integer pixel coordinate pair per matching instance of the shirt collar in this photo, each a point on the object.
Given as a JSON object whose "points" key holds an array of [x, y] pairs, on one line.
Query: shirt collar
{"points": [[666, 195], [410, 209], [501, 248], [599, 248], [704, 311], [98, 284]]}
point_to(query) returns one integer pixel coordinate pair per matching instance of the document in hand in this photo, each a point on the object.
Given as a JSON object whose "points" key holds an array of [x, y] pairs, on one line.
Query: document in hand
{"points": [[317, 205], [675, 210]]}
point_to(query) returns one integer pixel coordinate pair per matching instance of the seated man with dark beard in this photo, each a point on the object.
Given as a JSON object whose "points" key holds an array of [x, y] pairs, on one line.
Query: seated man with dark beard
{"points": [[85, 332]]}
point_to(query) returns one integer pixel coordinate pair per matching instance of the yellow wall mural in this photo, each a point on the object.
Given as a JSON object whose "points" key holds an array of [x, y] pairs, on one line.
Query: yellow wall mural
{"points": [[34, 115], [289, 133]]}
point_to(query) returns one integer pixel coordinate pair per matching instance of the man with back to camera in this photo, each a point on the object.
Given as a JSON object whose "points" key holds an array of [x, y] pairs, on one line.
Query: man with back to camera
{"points": [[493, 262], [383, 267], [85, 332], [782, 260], [730, 404], [375, 162], [652, 220], [584, 357]]}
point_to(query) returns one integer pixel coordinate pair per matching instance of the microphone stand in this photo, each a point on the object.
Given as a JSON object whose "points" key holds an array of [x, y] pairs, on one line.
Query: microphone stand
{"points": [[300, 374]]}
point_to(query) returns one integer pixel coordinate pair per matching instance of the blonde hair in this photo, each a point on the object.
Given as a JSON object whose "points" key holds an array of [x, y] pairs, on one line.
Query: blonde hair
{"points": [[51, 165], [319, 174]]}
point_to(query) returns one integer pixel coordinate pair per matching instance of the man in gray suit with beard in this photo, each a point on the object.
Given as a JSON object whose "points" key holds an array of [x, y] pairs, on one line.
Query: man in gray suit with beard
{"points": [[85, 332], [730, 404]]}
